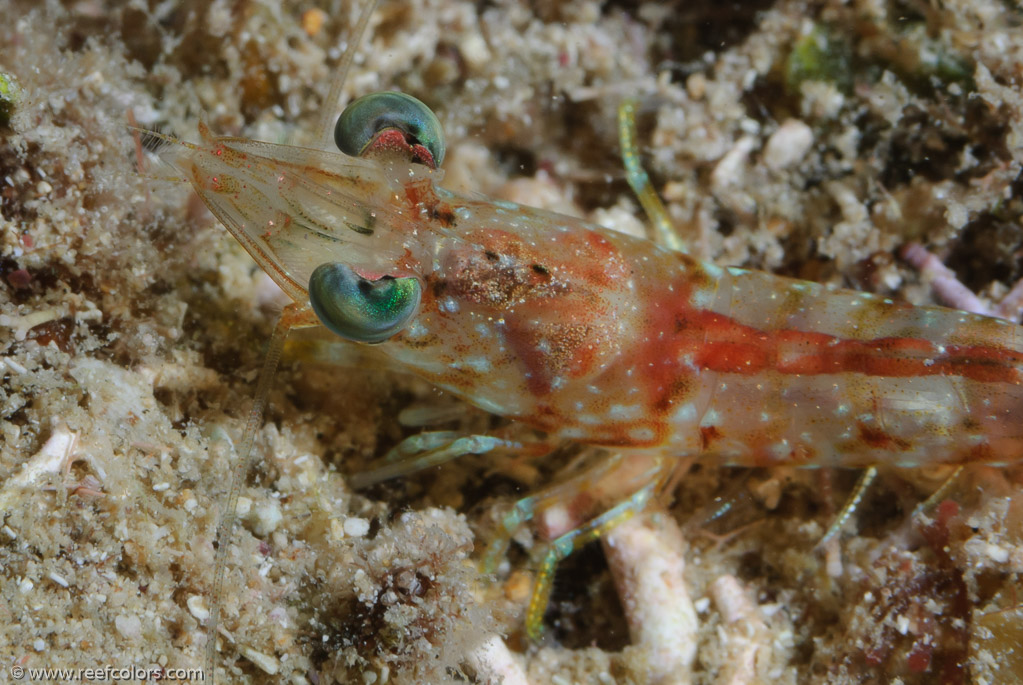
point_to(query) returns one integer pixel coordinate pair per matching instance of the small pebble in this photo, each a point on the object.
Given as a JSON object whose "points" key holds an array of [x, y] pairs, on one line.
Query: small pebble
{"points": [[266, 517], [197, 607], [266, 663], [337, 531], [518, 586], [128, 626], [356, 527], [475, 51], [902, 624], [998, 554], [696, 86], [788, 145], [312, 21]]}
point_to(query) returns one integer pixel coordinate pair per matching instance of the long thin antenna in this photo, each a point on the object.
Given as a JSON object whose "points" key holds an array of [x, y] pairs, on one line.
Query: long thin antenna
{"points": [[329, 109], [293, 316]]}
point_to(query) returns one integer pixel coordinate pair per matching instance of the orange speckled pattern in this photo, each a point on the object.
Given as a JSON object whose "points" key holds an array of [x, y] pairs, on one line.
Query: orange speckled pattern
{"points": [[604, 338]]}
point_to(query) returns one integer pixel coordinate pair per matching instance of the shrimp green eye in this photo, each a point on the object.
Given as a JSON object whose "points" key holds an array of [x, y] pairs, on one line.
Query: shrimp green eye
{"points": [[390, 121], [359, 309]]}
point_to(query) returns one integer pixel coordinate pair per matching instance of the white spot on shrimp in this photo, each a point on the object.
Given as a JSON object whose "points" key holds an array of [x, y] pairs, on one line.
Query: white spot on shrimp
{"points": [[642, 434], [685, 413], [702, 297], [621, 411], [480, 364], [483, 330], [449, 304], [415, 330]]}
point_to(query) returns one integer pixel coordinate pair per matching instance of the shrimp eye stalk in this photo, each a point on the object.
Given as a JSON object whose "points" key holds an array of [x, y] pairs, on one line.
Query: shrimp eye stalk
{"points": [[390, 123], [359, 309]]}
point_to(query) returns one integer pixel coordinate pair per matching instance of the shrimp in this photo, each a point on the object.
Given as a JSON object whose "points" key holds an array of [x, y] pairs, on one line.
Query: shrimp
{"points": [[590, 335]]}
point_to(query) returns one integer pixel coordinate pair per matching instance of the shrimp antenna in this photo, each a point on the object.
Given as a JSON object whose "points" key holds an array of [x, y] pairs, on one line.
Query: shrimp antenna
{"points": [[329, 109], [292, 317]]}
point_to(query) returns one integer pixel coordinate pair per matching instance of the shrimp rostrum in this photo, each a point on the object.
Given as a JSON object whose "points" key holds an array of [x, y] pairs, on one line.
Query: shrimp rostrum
{"points": [[594, 336]]}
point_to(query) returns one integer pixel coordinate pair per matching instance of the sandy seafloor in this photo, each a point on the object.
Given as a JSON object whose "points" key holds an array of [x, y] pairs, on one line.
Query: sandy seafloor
{"points": [[812, 139]]}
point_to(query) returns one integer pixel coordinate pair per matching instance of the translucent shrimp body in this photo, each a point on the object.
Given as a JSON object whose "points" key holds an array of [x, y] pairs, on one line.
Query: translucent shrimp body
{"points": [[607, 339]]}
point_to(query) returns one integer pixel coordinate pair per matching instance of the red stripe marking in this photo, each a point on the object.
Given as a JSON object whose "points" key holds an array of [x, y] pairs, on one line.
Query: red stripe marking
{"points": [[715, 342], [731, 347]]}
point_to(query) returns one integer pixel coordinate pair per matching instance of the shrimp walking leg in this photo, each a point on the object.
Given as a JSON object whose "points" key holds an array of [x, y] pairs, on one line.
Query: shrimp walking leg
{"points": [[557, 511], [639, 180], [529, 507], [294, 316], [849, 508], [564, 545], [418, 452], [939, 494]]}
